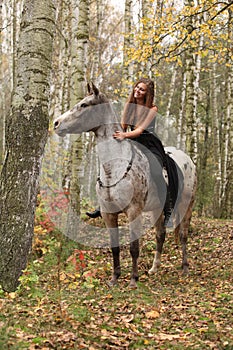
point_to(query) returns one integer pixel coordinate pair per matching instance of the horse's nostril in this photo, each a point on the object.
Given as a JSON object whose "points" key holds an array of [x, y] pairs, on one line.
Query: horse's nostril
{"points": [[56, 124]]}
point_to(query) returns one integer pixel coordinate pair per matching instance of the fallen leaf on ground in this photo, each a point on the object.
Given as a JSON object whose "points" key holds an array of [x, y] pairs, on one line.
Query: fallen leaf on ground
{"points": [[152, 314], [127, 318], [163, 336]]}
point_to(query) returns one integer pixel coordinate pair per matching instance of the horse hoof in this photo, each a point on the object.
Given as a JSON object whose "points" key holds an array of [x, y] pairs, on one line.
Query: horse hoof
{"points": [[153, 270], [112, 283], [185, 273], [133, 285]]}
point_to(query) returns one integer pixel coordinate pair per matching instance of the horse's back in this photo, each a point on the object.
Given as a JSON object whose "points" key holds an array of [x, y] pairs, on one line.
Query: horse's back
{"points": [[184, 163]]}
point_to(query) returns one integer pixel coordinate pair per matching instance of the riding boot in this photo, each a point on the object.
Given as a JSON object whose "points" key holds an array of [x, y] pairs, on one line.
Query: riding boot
{"points": [[94, 214]]}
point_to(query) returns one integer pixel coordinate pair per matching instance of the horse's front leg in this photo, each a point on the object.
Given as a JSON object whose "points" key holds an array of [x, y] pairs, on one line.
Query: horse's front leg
{"points": [[160, 238], [135, 233], [111, 221], [116, 265], [134, 251]]}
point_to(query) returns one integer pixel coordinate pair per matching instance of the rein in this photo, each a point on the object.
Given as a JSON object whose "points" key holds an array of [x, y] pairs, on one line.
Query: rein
{"points": [[125, 174]]}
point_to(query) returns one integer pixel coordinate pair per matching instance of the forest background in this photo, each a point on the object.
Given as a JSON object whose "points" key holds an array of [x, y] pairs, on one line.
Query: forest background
{"points": [[49, 50], [48, 54], [185, 47]]}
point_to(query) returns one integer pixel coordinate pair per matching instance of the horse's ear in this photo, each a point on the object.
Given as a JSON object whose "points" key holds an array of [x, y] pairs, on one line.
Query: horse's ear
{"points": [[94, 89]]}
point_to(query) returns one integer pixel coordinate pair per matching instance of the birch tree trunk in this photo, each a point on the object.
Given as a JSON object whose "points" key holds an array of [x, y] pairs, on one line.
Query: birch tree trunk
{"points": [[78, 68], [169, 104], [196, 89], [52, 171], [26, 135], [127, 68], [189, 96], [216, 145], [95, 57], [203, 180], [79, 56], [2, 141], [14, 29], [189, 105], [228, 125], [146, 14], [181, 139]]}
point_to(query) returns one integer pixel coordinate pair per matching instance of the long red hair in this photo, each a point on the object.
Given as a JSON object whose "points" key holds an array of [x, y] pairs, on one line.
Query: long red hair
{"points": [[130, 117]]}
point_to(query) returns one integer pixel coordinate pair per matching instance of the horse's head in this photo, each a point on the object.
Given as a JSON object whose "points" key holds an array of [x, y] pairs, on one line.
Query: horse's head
{"points": [[84, 116]]}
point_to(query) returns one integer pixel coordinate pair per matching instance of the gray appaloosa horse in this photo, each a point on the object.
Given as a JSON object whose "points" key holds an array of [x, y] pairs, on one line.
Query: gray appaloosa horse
{"points": [[124, 184]]}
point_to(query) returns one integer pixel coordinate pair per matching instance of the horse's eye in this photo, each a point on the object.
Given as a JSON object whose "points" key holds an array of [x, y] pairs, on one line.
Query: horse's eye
{"points": [[83, 105]]}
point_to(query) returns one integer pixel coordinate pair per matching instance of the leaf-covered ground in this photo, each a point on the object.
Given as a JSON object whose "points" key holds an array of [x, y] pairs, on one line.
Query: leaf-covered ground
{"points": [[64, 301]]}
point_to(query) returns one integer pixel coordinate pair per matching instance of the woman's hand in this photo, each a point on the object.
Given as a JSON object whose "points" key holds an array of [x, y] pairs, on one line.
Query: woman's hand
{"points": [[119, 135]]}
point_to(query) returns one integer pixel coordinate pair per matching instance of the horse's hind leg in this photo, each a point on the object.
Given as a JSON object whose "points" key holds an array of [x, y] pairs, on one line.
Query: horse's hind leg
{"points": [[183, 234], [183, 241], [160, 238], [184, 225]]}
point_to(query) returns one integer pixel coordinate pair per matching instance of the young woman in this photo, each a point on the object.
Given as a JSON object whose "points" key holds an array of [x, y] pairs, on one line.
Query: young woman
{"points": [[139, 114], [138, 123]]}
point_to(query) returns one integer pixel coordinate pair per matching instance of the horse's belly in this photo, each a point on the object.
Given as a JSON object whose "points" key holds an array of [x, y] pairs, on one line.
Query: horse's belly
{"points": [[115, 199]]}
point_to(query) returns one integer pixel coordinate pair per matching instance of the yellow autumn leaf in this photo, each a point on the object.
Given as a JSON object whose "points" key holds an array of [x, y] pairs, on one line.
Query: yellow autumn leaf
{"points": [[152, 314], [12, 295]]}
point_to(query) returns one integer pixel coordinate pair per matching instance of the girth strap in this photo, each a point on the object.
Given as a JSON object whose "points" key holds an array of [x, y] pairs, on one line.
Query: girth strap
{"points": [[125, 174]]}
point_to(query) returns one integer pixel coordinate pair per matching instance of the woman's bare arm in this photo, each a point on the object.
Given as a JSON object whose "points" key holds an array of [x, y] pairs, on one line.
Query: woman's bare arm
{"points": [[119, 135]]}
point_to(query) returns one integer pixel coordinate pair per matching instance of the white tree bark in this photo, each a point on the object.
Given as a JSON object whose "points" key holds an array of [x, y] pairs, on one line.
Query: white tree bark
{"points": [[181, 136], [26, 135]]}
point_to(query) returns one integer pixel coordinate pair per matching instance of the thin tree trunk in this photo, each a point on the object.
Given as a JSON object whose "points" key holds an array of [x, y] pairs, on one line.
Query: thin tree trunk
{"points": [[127, 68], [189, 98], [77, 93], [95, 57], [79, 55], [203, 161], [216, 145], [169, 104], [2, 119], [14, 29], [228, 133], [26, 135], [189, 105], [181, 137], [196, 89]]}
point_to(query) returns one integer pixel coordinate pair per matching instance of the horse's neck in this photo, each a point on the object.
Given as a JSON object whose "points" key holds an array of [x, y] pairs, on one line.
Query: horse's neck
{"points": [[113, 154], [109, 148], [106, 130], [108, 122]]}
